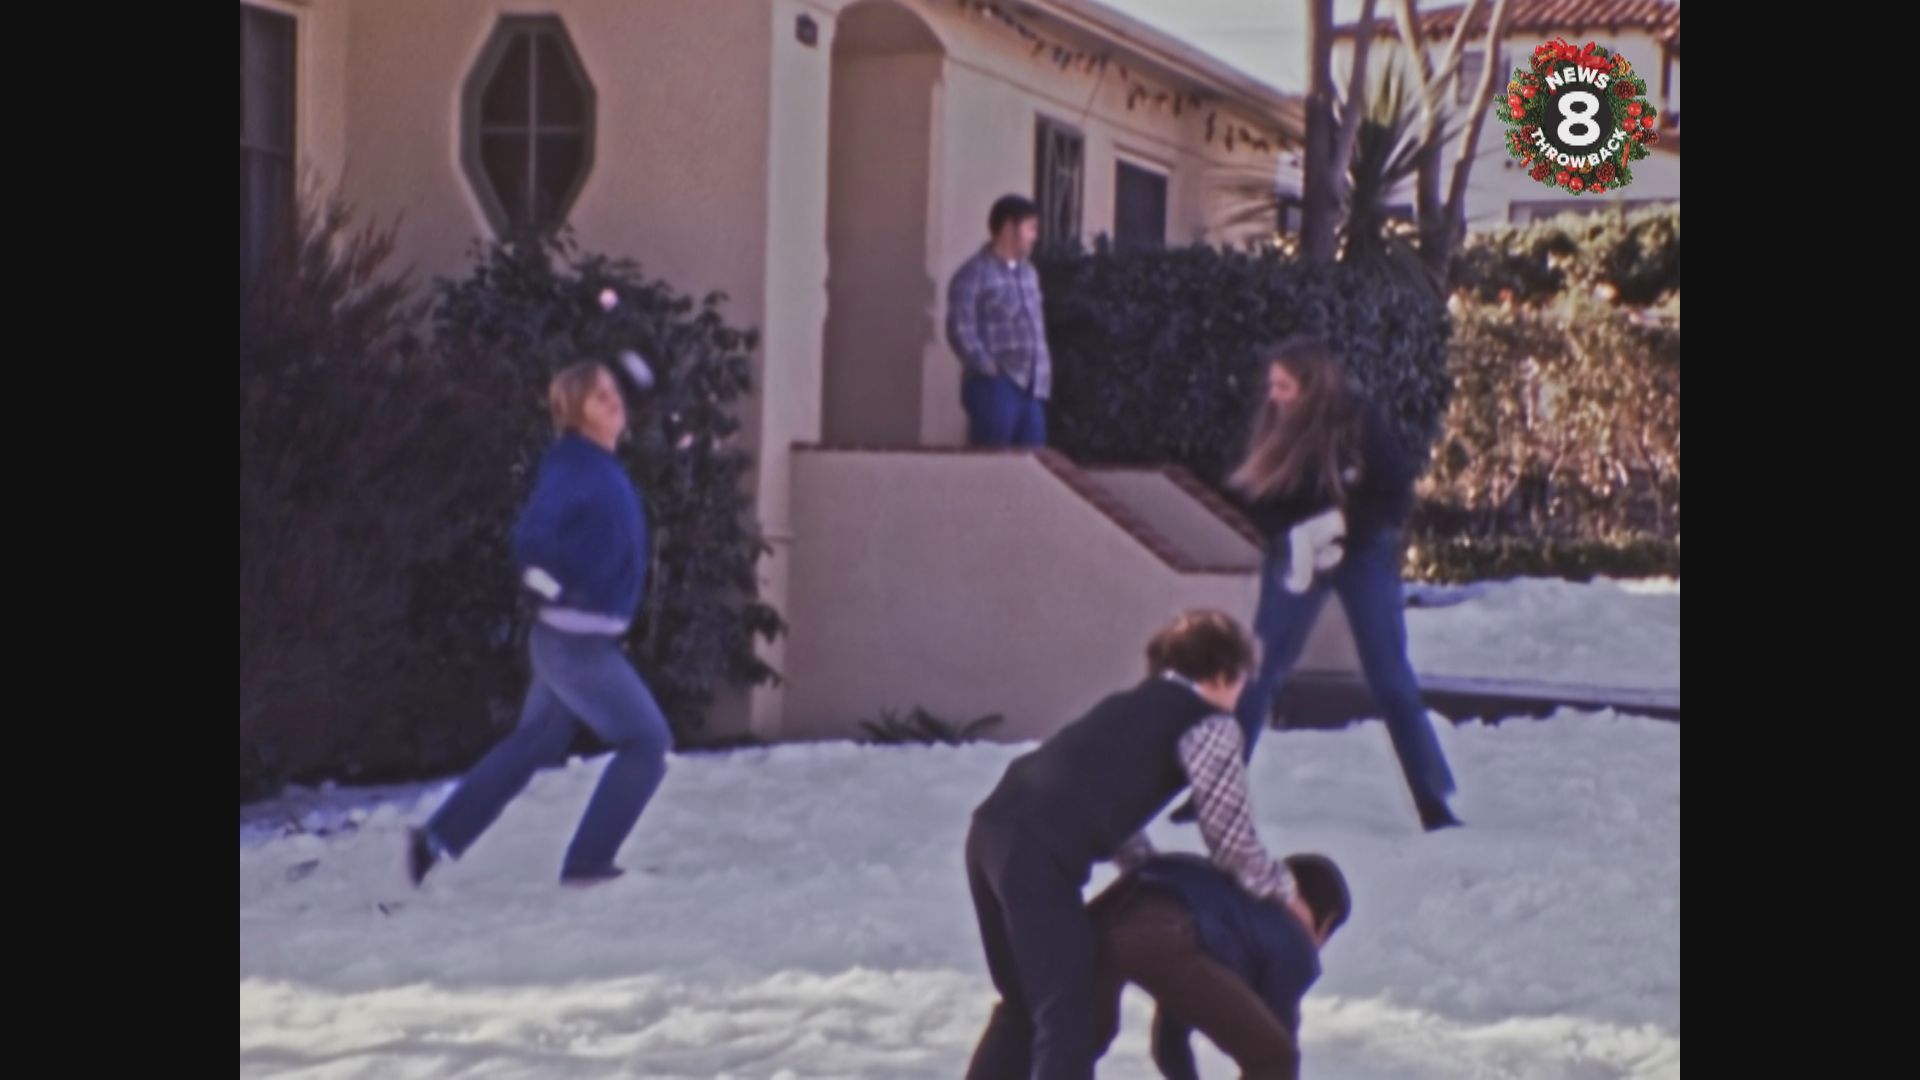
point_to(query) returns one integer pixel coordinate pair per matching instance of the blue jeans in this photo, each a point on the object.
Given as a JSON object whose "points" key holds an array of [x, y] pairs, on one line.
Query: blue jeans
{"points": [[1001, 413], [577, 679], [1368, 581]]}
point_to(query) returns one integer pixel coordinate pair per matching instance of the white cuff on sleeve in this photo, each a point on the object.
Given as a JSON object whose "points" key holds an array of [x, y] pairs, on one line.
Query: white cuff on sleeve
{"points": [[541, 582]]}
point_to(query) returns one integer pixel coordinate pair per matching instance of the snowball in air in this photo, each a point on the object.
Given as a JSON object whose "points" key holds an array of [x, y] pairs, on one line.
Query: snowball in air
{"points": [[637, 369]]}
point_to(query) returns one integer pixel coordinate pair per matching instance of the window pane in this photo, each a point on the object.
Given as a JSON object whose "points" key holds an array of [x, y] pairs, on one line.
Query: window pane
{"points": [[266, 78], [556, 168], [504, 157], [1472, 63], [505, 100], [560, 99], [266, 122], [248, 249], [1058, 153], [1140, 208], [266, 114], [266, 43], [266, 205]]}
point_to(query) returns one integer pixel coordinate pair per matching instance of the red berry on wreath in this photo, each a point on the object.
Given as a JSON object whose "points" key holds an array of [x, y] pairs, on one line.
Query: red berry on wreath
{"points": [[1576, 183], [1598, 189], [1528, 93], [1636, 109], [1562, 177], [1515, 103], [1647, 122]]}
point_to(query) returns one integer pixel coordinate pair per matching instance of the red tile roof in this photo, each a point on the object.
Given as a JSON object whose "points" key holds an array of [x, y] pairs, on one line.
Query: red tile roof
{"points": [[1659, 17]]}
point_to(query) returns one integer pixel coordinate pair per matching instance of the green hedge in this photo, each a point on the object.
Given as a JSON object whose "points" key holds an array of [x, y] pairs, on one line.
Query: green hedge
{"points": [[353, 482], [1154, 350], [1554, 427], [1635, 254], [521, 315], [380, 473], [1565, 425], [1457, 559]]}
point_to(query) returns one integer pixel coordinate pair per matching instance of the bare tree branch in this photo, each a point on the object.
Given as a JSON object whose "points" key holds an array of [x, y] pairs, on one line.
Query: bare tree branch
{"points": [[1429, 206], [1470, 146], [1356, 97], [1318, 195]]}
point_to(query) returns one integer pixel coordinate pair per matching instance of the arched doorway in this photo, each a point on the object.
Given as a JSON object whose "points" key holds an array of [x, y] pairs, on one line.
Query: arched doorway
{"points": [[880, 291]]}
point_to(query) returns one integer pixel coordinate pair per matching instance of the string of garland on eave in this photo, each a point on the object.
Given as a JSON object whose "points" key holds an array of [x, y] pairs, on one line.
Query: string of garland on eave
{"points": [[1231, 133]]}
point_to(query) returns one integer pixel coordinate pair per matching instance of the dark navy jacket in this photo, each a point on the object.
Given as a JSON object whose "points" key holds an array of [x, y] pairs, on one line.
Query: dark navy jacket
{"points": [[585, 526], [1260, 942]]}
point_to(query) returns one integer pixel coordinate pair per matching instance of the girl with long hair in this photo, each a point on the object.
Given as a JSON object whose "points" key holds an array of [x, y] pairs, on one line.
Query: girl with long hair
{"points": [[1330, 485]]}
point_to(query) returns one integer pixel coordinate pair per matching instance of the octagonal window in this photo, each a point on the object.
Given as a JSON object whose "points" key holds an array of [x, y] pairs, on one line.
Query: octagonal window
{"points": [[527, 139]]}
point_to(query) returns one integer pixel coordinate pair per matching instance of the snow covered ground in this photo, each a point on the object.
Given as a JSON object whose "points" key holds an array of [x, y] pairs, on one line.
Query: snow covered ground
{"points": [[1608, 633], [801, 911]]}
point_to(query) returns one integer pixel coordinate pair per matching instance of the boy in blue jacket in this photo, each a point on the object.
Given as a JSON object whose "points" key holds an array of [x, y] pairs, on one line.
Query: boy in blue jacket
{"points": [[1215, 959], [582, 549]]}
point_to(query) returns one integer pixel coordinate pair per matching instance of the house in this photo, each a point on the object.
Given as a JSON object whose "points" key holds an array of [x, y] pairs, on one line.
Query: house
{"points": [[827, 164], [1646, 32]]}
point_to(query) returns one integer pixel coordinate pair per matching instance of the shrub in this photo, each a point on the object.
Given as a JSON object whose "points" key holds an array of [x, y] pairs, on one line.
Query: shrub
{"points": [[522, 313], [1458, 559], [1565, 425], [1153, 350], [350, 473], [380, 476], [921, 728], [1635, 254]]}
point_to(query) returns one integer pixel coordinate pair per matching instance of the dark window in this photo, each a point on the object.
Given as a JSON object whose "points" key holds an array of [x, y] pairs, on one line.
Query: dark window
{"points": [[266, 133], [528, 126], [1290, 214], [1059, 160], [1472, 63], [1139, 208]]}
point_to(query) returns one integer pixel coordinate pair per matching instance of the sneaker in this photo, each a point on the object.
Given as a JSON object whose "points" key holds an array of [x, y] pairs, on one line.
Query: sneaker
{"points": [[1435, 816], [580, 879]]}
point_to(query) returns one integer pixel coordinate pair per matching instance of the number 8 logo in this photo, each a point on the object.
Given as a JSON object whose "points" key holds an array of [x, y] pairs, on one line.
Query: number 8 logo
{"points": [[1577, 125]]}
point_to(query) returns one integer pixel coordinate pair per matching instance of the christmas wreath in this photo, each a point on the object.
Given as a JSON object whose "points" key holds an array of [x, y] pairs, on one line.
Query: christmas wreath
{"points": [[1577, 118]]}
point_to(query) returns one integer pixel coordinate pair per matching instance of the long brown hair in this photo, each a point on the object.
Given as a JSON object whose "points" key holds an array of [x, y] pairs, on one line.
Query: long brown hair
{"points": [[1305, 448]]}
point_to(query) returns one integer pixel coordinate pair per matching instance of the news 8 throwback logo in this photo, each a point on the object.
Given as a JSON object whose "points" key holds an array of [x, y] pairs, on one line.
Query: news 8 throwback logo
{"points": [[1578, 118]]}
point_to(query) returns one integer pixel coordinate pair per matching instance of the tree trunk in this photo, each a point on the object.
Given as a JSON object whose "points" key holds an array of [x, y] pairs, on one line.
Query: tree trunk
{"points": [[1429, 206], [1442, 259], [1318, 196], [1356, 99]]}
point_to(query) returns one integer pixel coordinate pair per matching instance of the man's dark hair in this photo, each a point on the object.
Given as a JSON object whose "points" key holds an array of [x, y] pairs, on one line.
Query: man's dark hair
{"points": [[1010, 208], [1202, 646], [1323, 887]]}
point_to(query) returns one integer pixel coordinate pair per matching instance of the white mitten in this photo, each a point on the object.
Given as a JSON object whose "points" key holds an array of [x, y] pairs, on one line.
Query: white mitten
{"points": [[1329, 556], [1313, 546], [541, 582]]}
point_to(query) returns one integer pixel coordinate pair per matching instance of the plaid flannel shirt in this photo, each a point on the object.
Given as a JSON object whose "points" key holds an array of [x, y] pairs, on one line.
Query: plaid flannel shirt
{"points": [[995, 323], [1211, 754]]}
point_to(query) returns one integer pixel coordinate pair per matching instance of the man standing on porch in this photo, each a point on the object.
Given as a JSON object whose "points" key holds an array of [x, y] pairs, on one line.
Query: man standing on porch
{"points": [[995, 326]]}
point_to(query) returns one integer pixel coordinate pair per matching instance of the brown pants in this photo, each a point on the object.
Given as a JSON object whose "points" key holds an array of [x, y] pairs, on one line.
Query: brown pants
{"points": [[1147, 938]]}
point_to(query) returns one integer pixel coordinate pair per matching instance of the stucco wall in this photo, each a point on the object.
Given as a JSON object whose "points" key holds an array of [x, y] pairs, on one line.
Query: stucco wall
{"points": [[976, 583]]}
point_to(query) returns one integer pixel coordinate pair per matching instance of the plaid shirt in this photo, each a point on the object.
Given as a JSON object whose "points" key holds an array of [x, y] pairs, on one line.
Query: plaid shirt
{"points": [[1211, 754], [994, 321]]}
